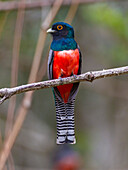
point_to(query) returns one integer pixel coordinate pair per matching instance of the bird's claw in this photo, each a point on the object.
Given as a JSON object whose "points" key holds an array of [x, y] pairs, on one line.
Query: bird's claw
{"points": [[74, 75], [61, 80]]}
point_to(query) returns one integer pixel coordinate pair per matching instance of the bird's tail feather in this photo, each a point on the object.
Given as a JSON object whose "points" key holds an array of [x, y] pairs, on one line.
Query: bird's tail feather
{"points": [[65, 122]]}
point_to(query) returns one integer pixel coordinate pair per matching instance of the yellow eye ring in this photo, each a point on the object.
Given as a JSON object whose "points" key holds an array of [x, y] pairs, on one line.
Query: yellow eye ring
{"points": [[59, 27]]}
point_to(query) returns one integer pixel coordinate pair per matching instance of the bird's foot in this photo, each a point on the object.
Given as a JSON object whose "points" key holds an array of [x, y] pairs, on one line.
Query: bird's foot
{"points": [[61, 80], [74, 75]]}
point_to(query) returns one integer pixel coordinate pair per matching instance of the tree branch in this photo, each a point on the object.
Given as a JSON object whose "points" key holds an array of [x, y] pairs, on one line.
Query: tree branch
{"points": [[90, 76], [13, 5]]}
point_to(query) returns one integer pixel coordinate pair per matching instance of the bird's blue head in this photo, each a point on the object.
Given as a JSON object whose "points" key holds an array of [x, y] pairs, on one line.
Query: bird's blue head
{"points": [[63, 37], [61, 30]]}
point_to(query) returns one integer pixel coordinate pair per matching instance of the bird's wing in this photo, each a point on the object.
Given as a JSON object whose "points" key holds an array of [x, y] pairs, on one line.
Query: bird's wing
{"points": [[50, 64], [50, 72], [75, 85], [80, 60]]}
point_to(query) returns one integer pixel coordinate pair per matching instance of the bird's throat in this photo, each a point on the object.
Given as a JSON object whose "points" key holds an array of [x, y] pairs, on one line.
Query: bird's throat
{"points": [[63, 44]]}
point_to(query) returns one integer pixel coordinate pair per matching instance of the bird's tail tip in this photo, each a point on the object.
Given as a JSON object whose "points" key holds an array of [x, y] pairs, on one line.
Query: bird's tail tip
{"points": [[68, 139]]}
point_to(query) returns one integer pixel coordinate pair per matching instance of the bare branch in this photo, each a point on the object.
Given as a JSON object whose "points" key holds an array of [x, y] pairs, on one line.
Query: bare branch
{"points": [[14, 66], [26, 102], [6, 93], [13, 5]]}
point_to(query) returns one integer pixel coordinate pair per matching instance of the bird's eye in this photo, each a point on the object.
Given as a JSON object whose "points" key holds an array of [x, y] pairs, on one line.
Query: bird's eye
{"points": [[59, 27]]}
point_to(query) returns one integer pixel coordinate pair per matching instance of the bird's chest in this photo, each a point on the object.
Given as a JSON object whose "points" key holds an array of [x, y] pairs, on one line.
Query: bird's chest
{"points": [[65, 63]]}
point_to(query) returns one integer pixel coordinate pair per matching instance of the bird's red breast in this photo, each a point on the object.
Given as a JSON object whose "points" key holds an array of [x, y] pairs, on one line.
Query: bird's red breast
{"points": [[65, 64]]}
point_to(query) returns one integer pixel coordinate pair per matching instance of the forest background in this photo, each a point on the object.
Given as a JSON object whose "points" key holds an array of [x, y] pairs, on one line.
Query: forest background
{"points": [[101, 109]]}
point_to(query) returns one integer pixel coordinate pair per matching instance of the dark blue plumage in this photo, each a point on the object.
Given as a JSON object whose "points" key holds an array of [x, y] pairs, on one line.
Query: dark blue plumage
{"points": [[63, 44]]}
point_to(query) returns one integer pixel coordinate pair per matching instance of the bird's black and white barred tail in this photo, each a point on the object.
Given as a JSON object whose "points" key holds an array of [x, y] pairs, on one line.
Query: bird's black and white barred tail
{"points": [[65, 121]]}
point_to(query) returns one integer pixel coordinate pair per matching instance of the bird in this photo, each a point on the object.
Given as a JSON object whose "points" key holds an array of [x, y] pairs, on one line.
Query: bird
{"points": [[64, 60], [66, 158]]}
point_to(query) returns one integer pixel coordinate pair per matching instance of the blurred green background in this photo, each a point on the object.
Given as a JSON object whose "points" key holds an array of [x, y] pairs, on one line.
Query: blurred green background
{"points": [[101, 109]]}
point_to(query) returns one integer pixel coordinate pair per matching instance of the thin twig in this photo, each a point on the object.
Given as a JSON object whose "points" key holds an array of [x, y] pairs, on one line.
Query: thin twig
{"points": [[26, 102], [13, 5], [41, 40], [42, 70], [70, 15], [72, 11], [89, 76], [14, 76], [15, 64], [11, 162]]}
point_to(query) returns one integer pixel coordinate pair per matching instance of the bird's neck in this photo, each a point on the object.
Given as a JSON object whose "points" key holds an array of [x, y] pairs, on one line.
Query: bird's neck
{"points": [[63, 44]]}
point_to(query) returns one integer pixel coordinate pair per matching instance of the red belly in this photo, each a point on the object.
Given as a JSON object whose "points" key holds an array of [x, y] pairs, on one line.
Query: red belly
{"points": [[65, 64]]}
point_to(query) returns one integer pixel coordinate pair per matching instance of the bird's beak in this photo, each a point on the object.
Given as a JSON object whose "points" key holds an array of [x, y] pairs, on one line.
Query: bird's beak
{"points": [[50, 30]]}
